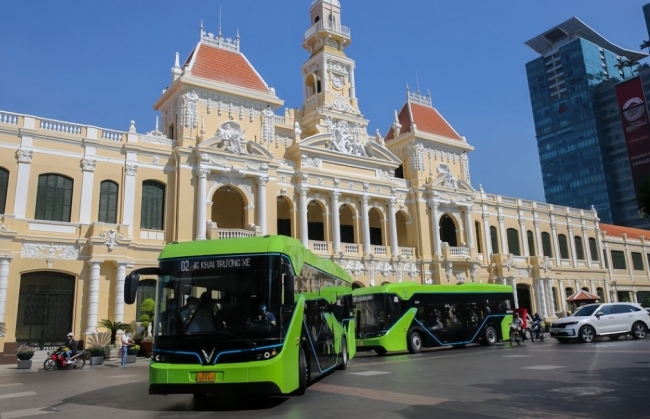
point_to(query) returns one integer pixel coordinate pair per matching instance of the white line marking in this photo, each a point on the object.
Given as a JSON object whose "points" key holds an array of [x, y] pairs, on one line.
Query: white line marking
{"points": [[121, 376], [14, 395], [26, 412], [543, 367], [11, 385], [516, 356], [370, 373]]}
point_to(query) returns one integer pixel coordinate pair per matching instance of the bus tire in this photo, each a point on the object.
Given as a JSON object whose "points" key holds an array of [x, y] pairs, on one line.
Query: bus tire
{"points": [[344, 354], [303, 373], [381, 351], [414, 342], [490, 336]]}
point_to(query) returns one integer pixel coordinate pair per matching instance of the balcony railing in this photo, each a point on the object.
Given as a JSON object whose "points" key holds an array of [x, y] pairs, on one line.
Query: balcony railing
{"points": [[323, 25], [234, 233], [459, 251], [319, 247]]}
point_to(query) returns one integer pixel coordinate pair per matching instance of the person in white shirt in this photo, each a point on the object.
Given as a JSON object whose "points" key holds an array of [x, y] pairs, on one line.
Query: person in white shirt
{"points": [[126, 341]]}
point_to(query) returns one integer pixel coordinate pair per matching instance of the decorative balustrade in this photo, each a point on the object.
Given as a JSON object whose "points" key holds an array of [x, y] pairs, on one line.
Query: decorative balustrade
{"points": [[406, 252], [459, 251], [234, 233], [58, 126], [379, 250], [565, 262], [328, 26], [280, 120], [319, 247], [112, 135], [8, 118], [351, 248], [311, 101]]}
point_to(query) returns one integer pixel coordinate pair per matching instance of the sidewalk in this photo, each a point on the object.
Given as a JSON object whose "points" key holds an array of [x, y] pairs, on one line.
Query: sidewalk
{"points": [[108, 364]]}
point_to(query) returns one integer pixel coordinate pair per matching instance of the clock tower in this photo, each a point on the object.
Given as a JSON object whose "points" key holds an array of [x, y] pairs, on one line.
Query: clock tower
{"points": [[328, 75]]}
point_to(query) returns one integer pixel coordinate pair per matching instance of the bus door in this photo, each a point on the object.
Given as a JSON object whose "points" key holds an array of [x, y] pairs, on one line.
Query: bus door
{"points": [[318, 317]]}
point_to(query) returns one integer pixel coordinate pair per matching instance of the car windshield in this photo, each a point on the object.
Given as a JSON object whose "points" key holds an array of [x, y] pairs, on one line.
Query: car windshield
{"points": [[586, 311], [236, 298]]}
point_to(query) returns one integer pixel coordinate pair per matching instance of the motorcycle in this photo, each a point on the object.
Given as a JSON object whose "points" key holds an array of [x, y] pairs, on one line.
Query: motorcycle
{"points": [[515, 334], [538, 331], [58, 360]]}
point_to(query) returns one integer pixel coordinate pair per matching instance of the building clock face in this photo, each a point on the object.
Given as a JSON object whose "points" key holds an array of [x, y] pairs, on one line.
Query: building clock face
{"points": [[337, 82]]}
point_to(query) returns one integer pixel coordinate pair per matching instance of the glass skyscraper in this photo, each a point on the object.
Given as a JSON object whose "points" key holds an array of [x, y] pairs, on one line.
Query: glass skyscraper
{"points": [[574, 60]]}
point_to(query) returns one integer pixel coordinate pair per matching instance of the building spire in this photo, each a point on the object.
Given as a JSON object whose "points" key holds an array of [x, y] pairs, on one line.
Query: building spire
{"points": [[219, 20], [417, 80]]}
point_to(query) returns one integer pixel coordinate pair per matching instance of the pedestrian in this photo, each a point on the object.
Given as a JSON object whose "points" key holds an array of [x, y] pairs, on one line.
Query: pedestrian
{"points": [[126, 341]]}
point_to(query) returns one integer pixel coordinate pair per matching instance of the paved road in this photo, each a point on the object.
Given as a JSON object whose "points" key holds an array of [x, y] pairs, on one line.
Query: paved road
{"points": [[549, 380]]}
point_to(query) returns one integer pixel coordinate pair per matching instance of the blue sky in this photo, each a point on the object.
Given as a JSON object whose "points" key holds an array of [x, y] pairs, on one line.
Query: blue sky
{"points": [[106, 63]]}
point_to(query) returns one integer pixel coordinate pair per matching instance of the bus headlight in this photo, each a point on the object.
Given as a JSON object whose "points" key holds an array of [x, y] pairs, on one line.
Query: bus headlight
{"points": [[266, 355]]}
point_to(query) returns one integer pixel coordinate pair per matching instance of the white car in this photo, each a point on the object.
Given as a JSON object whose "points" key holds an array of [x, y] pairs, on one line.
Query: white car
{"points": [[612, 320]]}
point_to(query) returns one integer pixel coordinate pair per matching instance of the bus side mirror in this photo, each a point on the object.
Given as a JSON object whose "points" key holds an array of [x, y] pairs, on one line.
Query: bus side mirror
{"points": [[131, 287]]}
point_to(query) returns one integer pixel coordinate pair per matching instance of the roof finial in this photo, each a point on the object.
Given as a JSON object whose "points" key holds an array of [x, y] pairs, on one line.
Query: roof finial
{"points": [[417, 80], [219, 20], [407, 87], [201, 27], [237, 33], [396, 116], [156, 122]]}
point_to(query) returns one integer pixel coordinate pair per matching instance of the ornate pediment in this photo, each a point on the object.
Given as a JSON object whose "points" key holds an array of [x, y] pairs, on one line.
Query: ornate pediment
{"points": [[229, 138], [446, 179]]}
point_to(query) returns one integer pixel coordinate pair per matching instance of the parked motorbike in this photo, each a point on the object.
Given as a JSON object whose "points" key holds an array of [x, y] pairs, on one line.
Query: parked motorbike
{"points": [[58, 360], [537, 331]]}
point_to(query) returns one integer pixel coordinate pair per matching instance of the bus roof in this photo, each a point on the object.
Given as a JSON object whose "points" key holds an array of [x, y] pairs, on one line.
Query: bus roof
{"points": [[288, 246], [407, 289]]}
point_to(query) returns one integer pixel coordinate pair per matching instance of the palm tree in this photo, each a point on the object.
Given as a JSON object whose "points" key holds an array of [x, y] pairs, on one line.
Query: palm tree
{"points": [[645, 45], [626, 63], [114, 327]]}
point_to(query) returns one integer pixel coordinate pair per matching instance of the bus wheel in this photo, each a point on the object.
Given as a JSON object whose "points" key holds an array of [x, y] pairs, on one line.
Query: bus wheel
{"points": [[414, 342], [344, 354], [381, 351], [303, 373], [490, 336]]}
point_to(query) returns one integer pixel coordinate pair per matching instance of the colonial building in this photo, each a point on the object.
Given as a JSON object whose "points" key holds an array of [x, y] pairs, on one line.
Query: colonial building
{"points": [[82, 206]]}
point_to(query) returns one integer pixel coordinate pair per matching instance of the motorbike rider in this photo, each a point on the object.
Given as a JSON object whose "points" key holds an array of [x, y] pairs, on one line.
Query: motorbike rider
{"points": [[71, 344], [517, 324], [536, 318]]}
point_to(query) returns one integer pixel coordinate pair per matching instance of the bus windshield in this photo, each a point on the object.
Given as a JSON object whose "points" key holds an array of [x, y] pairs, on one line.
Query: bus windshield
{"points": [[376, 313], [236, 298]]}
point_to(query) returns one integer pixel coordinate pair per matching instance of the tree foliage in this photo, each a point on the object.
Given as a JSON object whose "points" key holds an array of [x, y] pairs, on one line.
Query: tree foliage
{"points": [[114, 327]]}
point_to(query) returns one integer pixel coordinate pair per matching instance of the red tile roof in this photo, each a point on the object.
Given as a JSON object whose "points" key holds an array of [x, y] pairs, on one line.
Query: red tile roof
{"points": [[426, 119], [583, 295], [225, 66], [632, 233]]}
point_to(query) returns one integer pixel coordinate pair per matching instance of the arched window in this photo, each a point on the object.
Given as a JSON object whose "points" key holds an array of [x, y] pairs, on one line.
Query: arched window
{"points": [[531, 242], [53, 198], [580, 250], [564, 246], [593, 249], [568, 292], [479, 244], [153, 205], [513, 241], [601, 294], [546, 245], [495, 239], [108, 202], [4, 185]]}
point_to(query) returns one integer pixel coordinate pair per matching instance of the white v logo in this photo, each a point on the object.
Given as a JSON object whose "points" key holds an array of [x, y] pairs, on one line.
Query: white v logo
{"points": [[207, 357]]}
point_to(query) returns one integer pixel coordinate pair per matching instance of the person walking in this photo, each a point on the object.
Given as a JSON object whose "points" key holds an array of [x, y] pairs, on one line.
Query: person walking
{"points": [[126, 341]]}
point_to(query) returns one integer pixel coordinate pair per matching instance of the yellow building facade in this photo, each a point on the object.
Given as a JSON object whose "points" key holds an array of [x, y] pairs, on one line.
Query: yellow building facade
{"points": [[82, 206]]}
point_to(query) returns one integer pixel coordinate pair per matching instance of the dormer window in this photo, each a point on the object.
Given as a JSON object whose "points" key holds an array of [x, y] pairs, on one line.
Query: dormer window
{"points": [[317, 19], [312, 85]]}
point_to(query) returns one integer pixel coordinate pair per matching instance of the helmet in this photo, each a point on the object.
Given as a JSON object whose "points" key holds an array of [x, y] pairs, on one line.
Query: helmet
{"points": [[70, 334], [263, 307]]}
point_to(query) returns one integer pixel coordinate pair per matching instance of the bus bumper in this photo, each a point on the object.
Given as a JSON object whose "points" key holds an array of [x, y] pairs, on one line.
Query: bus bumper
{"points": [[266, 388]]}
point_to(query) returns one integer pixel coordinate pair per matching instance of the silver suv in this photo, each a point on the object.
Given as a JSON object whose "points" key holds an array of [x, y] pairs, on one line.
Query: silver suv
{"points": [[612, 320]]}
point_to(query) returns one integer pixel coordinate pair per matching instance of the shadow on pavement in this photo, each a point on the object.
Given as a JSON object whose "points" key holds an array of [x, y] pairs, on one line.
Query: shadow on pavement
{"points": [[135, 396]]}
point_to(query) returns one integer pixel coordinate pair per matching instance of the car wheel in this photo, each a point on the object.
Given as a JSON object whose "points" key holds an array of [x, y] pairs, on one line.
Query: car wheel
{"points": [[587, 334], [414, 342], [639, 330], [344, 354], [490, 338], [381, 351]]}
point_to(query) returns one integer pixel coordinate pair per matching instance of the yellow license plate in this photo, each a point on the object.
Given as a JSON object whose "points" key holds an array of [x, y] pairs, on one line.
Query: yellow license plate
{"points": [[359, 343], [205, 377]]}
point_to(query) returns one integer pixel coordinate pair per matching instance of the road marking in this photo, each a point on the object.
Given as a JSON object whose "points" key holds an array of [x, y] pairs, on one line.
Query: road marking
{"points": [[11, 385], [582, 391], [408, 358], [26, 412], [516, 356], [386, 396], [543, 367], [122, 376], [370, 373], [14, 395]]}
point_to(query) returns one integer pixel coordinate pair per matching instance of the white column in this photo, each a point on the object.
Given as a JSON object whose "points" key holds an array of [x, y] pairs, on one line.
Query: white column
{"points": [[353, 88], [585, 244], [542, 298], [538, 237], [502, 232], [556, 242], [365, 224], [4, 282], [549, 297], [392, 226], [468, 227], [86, 205], [562, 296], [513, 284], [592, 287], [304, 233], [572, 245], [261, 205], [128, 202], [201, 199], [336, 221], [488, 237], [24, 158], [523, 233], [93, 296], [119, 292], [599, 245], [435, 229]]}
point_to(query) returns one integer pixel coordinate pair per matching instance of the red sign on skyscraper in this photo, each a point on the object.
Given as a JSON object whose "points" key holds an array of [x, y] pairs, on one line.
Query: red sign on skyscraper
{"points": [[636, 127]]}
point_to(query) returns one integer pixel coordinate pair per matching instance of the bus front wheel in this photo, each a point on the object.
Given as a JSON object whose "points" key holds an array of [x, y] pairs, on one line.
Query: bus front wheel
{"points": [[414, 342], [490, 336], [344, 354], [303, 373]]}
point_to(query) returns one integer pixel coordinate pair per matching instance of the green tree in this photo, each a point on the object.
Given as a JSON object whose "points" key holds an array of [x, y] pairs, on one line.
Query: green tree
{"points": [[114, 327], [146, 314], [643, 199]]}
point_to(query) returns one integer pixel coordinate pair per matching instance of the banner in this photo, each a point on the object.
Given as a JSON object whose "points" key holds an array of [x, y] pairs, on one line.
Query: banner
{"points": [[636, 128]]}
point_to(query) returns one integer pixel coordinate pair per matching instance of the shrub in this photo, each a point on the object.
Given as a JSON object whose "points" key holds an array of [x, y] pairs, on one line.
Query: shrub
{"points": [[96, 350], [24, 352], [133, 350]]}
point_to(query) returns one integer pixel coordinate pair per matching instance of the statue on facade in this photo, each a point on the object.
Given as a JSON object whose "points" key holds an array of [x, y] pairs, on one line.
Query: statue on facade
{"points": [[231, 136], [445, 173], [343, 141]]}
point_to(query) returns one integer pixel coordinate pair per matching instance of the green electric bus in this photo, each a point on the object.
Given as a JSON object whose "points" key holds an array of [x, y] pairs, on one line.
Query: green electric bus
{"points": [[258, 315], [397, 317]]}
